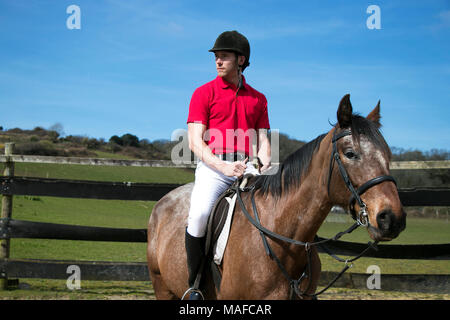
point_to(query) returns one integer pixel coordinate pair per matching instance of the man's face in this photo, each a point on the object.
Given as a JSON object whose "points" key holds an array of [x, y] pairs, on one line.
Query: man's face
{"points": [[226, 63]]}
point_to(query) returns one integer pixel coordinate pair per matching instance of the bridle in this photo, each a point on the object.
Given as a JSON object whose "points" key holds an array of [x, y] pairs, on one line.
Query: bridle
{"points": [[362, 217], [361, 220]]}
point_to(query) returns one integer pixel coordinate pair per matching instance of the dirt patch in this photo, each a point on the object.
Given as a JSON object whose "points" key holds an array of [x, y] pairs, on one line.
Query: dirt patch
{"points": [[358, 294]]}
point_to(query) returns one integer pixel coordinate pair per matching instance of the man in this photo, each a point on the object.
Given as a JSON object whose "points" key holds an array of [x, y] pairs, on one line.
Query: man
{"points": [[226, 115]]}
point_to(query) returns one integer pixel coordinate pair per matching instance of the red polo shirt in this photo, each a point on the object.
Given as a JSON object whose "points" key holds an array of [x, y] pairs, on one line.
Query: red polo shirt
{"points": [[231, 116]]}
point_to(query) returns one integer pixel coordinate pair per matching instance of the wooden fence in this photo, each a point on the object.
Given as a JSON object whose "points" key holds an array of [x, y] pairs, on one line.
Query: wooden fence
{"points": [[10, 228]]}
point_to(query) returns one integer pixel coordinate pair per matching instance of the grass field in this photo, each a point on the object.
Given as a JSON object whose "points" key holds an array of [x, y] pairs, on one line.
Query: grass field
{"points": [[105, 173], [135, 214]]}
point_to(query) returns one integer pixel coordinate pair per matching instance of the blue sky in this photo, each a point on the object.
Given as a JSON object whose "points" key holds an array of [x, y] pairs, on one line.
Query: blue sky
{"points": [[133, 65]]}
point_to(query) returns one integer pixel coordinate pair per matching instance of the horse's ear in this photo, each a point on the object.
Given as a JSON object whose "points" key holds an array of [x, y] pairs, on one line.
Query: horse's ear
{"points": [[375, 116], [344, 113]]}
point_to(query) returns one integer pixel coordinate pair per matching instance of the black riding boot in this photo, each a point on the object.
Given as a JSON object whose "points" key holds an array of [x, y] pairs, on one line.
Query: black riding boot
{"points": [[195, 251]]}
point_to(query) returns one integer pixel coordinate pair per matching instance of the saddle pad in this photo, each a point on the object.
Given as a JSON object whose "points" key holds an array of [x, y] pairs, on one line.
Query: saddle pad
{"points": [[221, 243]]}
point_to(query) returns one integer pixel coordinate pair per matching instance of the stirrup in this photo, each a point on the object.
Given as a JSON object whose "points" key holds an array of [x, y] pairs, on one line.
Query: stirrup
{"points": [[193, 291]]}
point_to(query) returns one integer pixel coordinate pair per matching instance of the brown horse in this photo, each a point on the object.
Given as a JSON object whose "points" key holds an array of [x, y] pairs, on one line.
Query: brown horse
{"points": [[294, 202]]}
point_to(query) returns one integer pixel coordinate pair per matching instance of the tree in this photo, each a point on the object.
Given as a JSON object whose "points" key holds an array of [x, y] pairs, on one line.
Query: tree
{"points": [[116, 139], [57, 127], [130, 140]]}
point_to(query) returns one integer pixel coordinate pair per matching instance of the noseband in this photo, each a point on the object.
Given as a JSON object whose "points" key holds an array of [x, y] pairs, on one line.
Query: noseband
{"points": [[362, 217]]}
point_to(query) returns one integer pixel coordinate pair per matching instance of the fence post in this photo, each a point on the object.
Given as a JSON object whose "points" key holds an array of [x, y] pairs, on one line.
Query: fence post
{"points": [[7, 204]]}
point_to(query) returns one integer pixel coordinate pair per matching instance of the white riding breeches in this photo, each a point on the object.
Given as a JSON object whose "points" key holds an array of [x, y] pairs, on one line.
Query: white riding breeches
{"points": [[209, 185]]}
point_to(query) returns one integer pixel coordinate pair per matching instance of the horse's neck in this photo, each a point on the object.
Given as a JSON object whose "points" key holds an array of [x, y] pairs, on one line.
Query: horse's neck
{"points": [[304, 209]]}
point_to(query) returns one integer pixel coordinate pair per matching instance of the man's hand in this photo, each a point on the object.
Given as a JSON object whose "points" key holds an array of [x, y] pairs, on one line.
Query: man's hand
{"points": [[235, 169]]}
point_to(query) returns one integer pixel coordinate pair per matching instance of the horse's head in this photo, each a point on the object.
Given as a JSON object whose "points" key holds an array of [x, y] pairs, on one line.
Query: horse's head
{"points": [[361, 153]]}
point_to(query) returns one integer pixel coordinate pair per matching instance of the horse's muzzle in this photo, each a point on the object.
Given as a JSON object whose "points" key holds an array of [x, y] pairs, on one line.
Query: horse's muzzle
{"points": [[389, 225]]}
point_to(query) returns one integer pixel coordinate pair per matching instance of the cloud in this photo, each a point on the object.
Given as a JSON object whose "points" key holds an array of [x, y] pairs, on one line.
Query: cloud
{"points": [[441, 22], [173, 28], [317, 28], [444, 18]]}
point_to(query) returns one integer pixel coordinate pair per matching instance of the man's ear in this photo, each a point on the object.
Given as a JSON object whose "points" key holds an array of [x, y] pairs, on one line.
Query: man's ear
{"points": [[241, 61]]}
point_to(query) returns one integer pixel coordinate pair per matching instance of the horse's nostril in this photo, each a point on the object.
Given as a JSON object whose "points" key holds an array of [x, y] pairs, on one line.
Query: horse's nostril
{"points": [[384, 220]]}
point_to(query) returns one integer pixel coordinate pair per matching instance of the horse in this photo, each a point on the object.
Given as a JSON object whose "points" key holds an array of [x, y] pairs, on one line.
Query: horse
{"points": [[293, 202]]}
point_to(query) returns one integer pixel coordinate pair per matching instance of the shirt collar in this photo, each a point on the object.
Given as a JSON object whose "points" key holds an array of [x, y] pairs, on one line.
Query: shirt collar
{"points": [[225, 84]]}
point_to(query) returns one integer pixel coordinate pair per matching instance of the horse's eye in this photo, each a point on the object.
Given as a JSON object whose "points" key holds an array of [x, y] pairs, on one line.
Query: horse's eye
{"points": [[350, 154]]}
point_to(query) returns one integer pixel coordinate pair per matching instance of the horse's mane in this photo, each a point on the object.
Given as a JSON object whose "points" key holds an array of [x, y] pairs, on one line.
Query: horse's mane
{"points": [[292, 169]]}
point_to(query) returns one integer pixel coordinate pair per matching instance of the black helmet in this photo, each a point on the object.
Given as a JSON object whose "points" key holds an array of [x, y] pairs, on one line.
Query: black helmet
{"points": [[235, 42]]}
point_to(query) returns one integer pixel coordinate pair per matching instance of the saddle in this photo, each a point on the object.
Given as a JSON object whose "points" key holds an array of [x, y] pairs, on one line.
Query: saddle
{"points": [[220, 218]]}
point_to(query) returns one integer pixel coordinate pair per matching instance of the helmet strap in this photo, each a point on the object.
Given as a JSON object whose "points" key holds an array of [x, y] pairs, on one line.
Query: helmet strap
{"points": [[239, 77], [239, 71]]}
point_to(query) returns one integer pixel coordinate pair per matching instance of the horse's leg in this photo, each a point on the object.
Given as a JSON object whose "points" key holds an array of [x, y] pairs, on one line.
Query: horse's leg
{"points": [[166, 254], [316, 267], [160, 288]]}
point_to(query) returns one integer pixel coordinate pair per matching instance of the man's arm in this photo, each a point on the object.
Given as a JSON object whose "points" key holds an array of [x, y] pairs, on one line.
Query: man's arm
{"points": [[264, 151], [204, 153]]}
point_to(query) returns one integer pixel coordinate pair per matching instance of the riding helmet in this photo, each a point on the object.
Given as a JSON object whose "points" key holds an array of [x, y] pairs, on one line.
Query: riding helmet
{"points": [[235, 42]]}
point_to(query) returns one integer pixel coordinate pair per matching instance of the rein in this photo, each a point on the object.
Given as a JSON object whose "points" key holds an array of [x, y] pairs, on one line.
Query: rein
{"points": [[361, 220]]}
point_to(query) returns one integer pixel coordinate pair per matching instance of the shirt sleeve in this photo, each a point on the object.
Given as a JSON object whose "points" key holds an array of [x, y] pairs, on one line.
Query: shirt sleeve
{"points": [[263, 120], [199, 106]]}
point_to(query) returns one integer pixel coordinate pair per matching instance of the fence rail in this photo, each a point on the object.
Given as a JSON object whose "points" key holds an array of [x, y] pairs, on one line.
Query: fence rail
{"points": [[10, 228], [22, 268], [91, 270], [422, 196], [119, 271], [394, 165], [84, 189], [95, 161]]}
